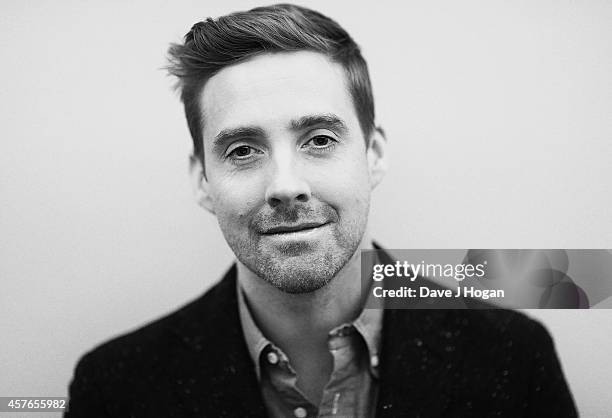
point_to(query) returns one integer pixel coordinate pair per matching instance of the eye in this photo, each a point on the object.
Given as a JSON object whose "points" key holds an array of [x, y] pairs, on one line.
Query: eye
{"points": [[241, 152], [320, 142]]}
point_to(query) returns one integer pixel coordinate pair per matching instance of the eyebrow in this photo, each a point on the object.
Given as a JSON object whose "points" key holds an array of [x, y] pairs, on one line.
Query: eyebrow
{"points": [[230, 134], [325, 120]]}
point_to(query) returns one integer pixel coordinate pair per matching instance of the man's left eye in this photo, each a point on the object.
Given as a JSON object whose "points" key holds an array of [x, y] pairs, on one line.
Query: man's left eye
{"points": [[321, 141]]}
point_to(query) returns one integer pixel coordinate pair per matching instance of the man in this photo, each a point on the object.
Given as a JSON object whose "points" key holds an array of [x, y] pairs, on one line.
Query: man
{"points": [[286, 154]]}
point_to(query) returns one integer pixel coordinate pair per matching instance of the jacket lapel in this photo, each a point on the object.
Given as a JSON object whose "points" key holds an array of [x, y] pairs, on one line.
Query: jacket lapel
{"points": [[414, 378], [218, 359], [416, 360]]}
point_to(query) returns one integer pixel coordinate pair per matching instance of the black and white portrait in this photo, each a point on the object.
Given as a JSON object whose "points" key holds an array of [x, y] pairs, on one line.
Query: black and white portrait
{"points": [[190, 189]]}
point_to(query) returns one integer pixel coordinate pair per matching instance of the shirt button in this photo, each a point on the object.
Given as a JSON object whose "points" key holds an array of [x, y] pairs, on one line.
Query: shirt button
{"points": [[374, 360], [300, 412], [272, 357]]}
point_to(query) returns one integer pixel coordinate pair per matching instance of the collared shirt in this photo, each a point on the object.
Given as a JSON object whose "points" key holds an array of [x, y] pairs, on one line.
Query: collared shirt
{"points": [[353, 386]]}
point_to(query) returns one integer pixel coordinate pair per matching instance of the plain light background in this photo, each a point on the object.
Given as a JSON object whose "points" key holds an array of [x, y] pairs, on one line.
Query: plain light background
{"points": [[498, 116]]}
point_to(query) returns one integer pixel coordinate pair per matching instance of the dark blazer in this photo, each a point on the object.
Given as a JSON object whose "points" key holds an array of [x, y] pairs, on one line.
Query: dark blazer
{"points": [[434, 363]]}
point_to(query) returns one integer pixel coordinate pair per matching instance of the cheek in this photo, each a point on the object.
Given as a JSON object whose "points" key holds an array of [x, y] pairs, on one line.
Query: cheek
{"points": [[235, 200], [347, 186]]}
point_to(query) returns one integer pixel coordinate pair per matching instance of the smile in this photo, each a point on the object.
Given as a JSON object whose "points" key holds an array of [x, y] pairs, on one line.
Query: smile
{"points": [[294, 229]]}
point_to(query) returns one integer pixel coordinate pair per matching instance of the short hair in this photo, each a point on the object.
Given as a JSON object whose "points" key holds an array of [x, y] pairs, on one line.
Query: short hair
{"points": [[214, 44]]}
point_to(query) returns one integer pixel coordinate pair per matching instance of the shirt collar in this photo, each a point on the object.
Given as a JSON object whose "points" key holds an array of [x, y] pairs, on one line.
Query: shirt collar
{"points": [[368, 324]]}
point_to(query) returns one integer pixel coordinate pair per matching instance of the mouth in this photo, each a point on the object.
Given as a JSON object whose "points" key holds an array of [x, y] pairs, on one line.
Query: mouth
{"points": [[288, 229]]}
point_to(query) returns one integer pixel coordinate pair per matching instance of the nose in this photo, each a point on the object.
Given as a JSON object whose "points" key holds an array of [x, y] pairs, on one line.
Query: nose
{"points": [[286, 185]]}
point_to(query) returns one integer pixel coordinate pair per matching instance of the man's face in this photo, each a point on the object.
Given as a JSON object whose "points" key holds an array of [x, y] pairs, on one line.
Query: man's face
{"points": [[287, 172]]}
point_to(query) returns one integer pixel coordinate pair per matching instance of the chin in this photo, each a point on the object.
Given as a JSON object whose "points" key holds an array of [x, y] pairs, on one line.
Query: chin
{"points": [[298, 275], [303, 274], [301, 285]]}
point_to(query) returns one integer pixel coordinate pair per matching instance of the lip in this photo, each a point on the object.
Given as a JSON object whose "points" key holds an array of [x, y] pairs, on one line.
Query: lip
{"points": [[286, 229]]}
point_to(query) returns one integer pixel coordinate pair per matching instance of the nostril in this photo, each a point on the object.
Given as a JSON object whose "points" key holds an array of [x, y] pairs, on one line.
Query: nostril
{"points": [[274, 202], [302, 197]]}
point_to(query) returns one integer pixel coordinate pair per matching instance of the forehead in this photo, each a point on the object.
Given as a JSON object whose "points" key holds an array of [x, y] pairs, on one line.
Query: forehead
{"points": [[273, 88]]}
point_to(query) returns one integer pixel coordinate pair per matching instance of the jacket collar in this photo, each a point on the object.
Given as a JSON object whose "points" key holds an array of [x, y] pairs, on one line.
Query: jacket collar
{"points": [[216, 356]]}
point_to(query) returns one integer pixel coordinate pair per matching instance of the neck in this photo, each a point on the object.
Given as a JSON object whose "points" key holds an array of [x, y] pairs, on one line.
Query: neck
{"points": [[286, 319]]}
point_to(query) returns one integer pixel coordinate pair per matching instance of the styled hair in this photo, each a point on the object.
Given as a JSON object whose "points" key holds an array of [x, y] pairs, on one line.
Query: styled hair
{"points": [[214, 44]]}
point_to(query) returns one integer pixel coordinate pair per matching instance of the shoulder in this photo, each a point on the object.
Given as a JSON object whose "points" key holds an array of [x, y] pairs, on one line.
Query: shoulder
{"points": [[499, 330], [173, 329], [495, 322], [517, 354], [161, 347], [478, 338], [156, 369], [478, 360]]}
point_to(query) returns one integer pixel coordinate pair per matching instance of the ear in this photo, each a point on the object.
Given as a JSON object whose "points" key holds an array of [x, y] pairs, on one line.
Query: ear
{"points": [[199, 184], [377, 156]]}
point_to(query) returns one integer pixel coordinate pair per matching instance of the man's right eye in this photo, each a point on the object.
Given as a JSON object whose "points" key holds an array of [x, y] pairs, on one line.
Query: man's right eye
{"points": [[242, 152]]}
